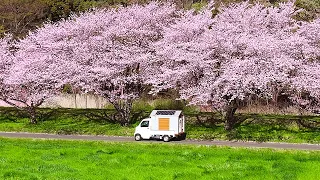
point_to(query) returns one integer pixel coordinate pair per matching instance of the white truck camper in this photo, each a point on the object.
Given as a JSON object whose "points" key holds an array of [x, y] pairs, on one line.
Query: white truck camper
{"points": [[162, 124]]}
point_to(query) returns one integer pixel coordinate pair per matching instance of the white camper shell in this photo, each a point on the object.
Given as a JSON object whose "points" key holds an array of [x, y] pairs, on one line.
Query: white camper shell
{"points": [[162, 124]]}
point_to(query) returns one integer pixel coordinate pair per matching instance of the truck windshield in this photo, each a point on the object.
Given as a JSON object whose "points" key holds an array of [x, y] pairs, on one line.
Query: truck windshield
{"points": [[145, 124]]}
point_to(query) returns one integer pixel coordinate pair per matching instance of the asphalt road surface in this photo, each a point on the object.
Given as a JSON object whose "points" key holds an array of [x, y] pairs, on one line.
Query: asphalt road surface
{"points": [[195, 142]]}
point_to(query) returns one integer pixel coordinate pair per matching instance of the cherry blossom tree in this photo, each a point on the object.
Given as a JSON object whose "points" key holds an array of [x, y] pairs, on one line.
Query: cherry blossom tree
{"points": [[307, 79], [116, 74], [17, 89], [98, 51], [246, 50], [6, 59]]}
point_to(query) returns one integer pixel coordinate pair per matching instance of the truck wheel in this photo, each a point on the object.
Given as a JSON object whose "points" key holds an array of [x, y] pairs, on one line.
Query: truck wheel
{"points": [[166, 138], [137, 137]]}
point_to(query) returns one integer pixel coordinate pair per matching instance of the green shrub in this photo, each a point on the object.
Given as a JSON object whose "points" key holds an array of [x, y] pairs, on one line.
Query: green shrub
{"points": [[141, 105], [198, 5], [191, 109], [167, 104]]}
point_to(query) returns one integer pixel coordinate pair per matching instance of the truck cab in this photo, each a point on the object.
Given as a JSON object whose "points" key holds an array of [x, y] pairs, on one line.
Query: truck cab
{"points": [[162, 124], [143, 129]]}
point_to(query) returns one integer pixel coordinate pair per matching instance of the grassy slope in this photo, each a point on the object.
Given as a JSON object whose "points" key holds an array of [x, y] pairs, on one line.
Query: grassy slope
{"points": [[53, 159], [255, 128], [275, 128]]}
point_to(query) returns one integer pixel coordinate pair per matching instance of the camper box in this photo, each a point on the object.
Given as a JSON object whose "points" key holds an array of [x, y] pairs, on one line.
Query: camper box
{"points": [[162, 124]]}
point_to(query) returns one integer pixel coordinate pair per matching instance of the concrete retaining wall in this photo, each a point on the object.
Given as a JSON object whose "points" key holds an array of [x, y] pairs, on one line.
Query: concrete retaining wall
{"points": [[72, 101]]}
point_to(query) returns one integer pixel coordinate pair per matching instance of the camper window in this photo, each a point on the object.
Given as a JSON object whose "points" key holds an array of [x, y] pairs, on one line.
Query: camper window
{"points": [[145, 124]]}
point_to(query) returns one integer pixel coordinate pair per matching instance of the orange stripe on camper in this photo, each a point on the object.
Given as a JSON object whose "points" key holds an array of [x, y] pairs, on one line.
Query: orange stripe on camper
{"points": [[164, 124]]}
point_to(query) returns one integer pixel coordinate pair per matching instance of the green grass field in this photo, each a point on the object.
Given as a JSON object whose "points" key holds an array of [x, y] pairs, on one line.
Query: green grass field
{"points": [[56, 159], [263, 128]]}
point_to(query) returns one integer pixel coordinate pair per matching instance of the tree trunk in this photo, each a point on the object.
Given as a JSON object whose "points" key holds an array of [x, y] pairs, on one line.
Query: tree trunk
{"points": [[126, 117], [123, 108], [127, 107], [31, 109], [75, 100], [229, 118], [32, 114]]}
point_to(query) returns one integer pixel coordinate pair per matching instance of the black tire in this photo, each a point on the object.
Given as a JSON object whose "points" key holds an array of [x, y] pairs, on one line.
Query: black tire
{"points": [[137, 137], [166, 138], [183, 136]]}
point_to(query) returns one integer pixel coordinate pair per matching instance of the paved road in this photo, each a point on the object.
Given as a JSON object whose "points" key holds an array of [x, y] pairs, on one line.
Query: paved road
{"points": [[195, 142]]}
